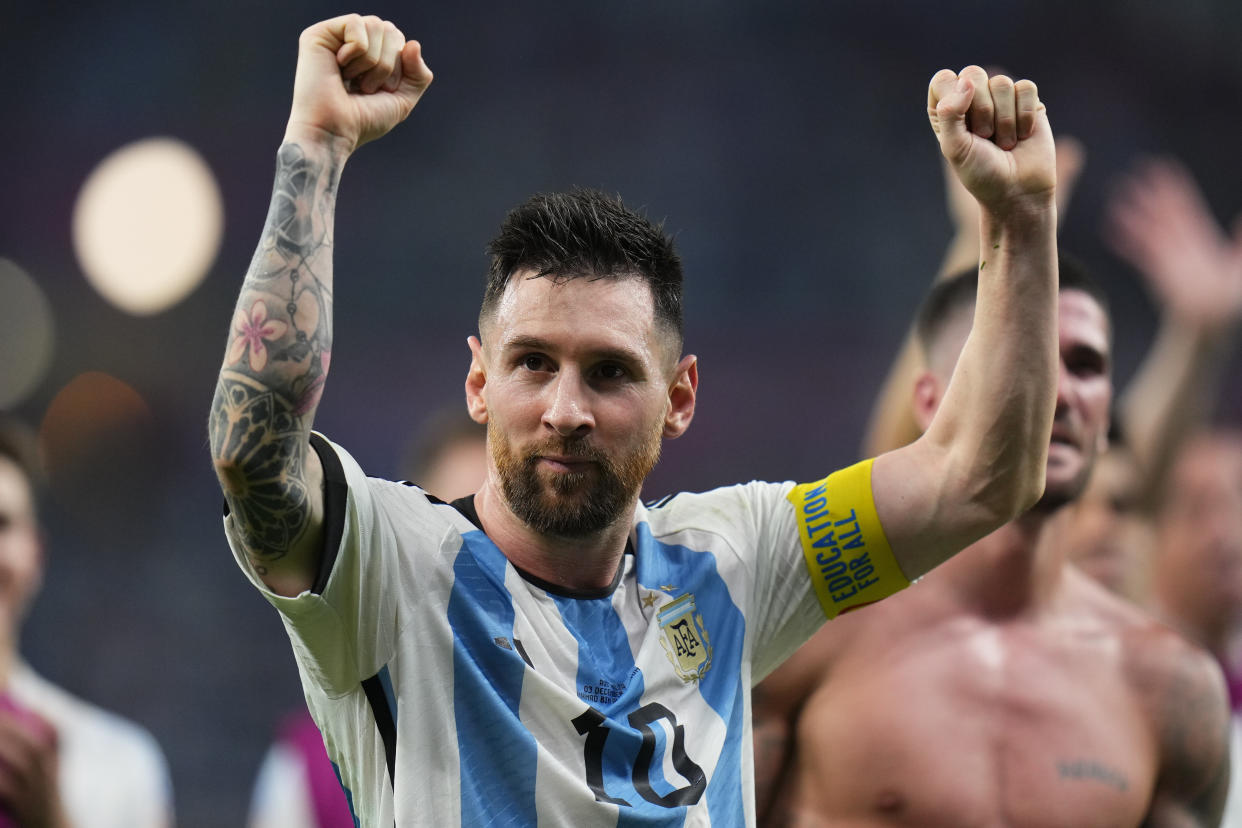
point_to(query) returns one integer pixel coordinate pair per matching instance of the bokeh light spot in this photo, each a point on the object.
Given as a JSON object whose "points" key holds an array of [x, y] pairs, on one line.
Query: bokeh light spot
{"points": [[100, 443], [147, 225], [27, 334]]}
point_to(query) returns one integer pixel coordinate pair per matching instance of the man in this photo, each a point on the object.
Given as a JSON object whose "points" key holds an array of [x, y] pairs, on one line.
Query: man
{"points": [[1006, 688], [551, 651], [63, 763]]}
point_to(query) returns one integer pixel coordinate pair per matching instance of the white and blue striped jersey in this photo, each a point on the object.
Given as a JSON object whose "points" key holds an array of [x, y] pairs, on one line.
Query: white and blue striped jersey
{"points": [[453, 689]]}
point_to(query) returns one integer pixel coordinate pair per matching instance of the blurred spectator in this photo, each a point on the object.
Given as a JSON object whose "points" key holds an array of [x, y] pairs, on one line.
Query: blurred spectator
{"points": [[297, 785], [63, 762], [447, 455], [1197, 576], [1160, 224]]}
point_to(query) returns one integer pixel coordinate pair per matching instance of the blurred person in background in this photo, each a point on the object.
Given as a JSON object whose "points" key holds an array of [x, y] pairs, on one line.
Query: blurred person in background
{"points": [[1159, 222], [1196, 585], [64, 763], [297, 785], [1063, 704]]}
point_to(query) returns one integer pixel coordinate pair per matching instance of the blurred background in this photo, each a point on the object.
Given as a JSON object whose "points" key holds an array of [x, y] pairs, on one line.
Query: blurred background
{"points": [[785, 143]]}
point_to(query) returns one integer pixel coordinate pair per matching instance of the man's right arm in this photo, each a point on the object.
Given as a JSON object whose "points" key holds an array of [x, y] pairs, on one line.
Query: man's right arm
{"points": [[357, 78]]}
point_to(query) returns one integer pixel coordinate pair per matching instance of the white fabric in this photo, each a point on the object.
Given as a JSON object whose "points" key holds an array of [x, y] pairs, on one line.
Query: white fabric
{"points": [[112, 772], [499, 731], [281, 796]]}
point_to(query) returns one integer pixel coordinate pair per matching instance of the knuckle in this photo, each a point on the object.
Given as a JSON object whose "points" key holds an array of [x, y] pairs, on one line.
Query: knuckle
{"points": [[1000, 83]]}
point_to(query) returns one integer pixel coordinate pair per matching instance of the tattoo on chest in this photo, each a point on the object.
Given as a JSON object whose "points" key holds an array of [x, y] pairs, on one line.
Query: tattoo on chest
{"points": [[1087, 770]]}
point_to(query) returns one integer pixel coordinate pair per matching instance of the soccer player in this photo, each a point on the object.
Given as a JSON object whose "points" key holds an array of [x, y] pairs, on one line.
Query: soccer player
{"points": [[550, 650], [63, 761], [1006, 688]]}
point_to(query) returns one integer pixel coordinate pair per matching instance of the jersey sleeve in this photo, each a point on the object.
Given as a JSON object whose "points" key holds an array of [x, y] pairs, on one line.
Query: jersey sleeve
{"points": [[344, 629], [821, 551]]}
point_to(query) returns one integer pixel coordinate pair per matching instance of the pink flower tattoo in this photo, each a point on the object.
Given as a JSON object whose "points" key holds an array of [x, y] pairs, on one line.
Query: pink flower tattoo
{"points": [[252, 334]]}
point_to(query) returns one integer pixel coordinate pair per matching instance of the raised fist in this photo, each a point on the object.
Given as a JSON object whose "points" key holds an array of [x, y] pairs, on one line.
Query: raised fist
{"points": [[357, 78], [995, 135]]}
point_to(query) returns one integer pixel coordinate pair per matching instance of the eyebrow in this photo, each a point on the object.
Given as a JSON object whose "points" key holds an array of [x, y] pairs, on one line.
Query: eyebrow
{"points": [[534, 343]]}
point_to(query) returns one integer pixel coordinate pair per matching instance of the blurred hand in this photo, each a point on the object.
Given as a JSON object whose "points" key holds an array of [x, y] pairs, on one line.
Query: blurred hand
{"points": [[357, 78], [1157, 221], [29, 770], [995, 135]]}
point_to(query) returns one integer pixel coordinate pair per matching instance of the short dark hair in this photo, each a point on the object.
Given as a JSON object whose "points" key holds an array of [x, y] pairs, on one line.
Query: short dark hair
{"points": [[586, 234], [19, 444], [442, 430], [956, 292]]}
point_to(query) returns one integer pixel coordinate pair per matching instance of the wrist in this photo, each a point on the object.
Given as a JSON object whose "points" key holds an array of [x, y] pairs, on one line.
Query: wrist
{"points": [[1025, 218], [317, 142], [1019, 209]]}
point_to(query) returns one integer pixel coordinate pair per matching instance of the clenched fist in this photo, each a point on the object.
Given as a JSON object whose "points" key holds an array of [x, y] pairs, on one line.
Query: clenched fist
{"points": [[357, 78], [995, 135]]}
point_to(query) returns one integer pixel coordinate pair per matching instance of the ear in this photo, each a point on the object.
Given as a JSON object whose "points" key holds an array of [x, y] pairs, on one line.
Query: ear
{"points": [[476, 381], [927, 396], [681, 397]]}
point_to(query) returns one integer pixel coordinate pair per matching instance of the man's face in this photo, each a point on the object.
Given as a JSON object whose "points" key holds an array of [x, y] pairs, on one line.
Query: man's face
{"points": [[20, 547], [576, 399], [1084, 394], [1084, 390], [1200, 530]]}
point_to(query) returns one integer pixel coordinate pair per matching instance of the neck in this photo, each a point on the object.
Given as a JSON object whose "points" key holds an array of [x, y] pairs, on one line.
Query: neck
{"points": [[583, 563], [1013, 571]]}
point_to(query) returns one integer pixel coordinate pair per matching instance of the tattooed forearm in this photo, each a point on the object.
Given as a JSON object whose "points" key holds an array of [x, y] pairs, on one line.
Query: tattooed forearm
{"points": [[277, 360]]}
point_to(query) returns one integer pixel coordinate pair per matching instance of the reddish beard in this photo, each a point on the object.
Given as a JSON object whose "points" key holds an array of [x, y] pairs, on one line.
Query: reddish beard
{"points": [[575, 503]]}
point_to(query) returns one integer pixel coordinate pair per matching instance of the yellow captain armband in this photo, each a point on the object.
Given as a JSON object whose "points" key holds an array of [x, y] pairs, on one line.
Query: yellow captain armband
{"points": [[847, 554]]}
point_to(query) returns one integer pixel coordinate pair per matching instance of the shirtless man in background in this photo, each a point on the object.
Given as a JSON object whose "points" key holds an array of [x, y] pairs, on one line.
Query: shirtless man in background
{"points": [[1005, 688]]}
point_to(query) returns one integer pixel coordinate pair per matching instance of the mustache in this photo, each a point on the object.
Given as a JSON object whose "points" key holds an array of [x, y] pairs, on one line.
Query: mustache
{"points": [[574, 447]]}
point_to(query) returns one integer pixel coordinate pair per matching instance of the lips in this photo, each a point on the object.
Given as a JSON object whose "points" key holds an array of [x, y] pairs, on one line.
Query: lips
{"points": [[1063, 436], [564, 463]]}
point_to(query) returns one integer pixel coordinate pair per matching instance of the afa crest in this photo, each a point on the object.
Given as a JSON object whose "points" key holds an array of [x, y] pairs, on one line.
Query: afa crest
{"points": [[685, 638]]}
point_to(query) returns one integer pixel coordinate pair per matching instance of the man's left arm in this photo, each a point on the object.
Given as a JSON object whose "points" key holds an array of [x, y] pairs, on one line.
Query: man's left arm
{"points": [[1193, 729]]}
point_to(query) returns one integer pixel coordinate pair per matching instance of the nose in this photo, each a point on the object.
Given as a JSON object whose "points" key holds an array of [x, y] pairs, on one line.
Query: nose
{"points": [[1065, 392], [568, 411]]}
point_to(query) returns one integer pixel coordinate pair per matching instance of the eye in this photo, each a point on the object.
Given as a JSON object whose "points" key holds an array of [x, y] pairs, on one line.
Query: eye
{"points": [[1085, 362], [610, 371], [535, 362]]}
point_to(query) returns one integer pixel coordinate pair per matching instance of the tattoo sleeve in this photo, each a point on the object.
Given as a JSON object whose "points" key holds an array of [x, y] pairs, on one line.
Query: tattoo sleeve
{"points": [[279, 347]]}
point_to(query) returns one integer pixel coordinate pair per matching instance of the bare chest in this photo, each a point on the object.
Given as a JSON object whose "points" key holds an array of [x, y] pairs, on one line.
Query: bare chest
{"points": [[978, 727]]}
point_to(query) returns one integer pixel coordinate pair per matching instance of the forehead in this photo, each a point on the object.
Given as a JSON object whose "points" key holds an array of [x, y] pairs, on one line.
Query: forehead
{"points": [[1082, 321], [610, 312]]}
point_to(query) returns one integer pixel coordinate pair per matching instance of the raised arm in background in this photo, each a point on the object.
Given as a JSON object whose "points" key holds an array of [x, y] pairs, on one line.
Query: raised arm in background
{"points": [[892, 422], [981, 461], [357, 77], [1159, 223]]}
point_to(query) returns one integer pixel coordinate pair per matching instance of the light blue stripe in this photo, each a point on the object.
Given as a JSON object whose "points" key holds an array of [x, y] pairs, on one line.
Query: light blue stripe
{"points": [[605, 665], [695, 572], [349, 795], [498, 755]]}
